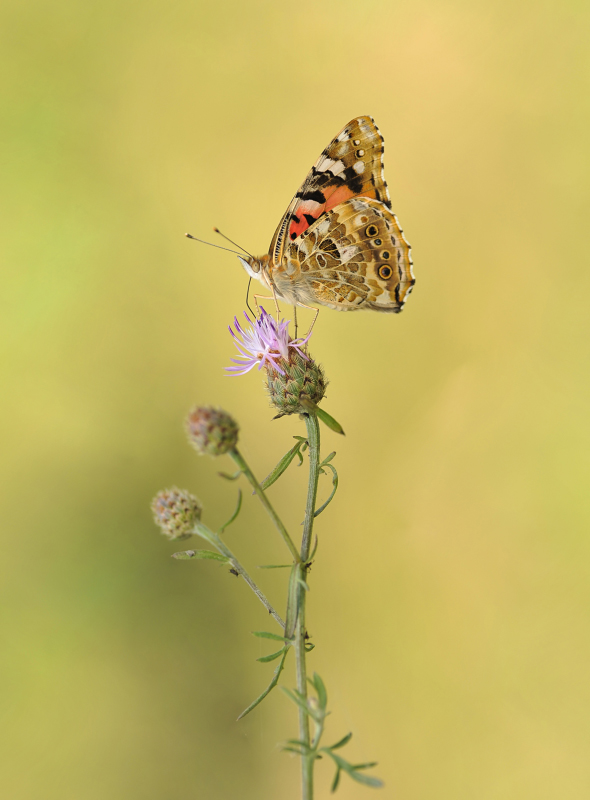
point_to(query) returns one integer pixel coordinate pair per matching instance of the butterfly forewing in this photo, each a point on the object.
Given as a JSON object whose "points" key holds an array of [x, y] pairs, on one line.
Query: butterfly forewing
{"points": [[350, 166]]}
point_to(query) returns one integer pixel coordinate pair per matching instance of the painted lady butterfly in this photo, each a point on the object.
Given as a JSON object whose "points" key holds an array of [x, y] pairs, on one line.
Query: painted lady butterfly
{"points": [[339, 244]]}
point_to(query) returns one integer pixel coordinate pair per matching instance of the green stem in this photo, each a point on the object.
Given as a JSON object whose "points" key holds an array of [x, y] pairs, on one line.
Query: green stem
{"points": [[241, 463], [213, 539], [313, 438]]}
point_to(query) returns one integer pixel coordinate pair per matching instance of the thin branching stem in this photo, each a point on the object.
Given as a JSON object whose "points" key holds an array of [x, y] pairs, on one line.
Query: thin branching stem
{"points": [[307, 759], [221, 547], [241, 463]]}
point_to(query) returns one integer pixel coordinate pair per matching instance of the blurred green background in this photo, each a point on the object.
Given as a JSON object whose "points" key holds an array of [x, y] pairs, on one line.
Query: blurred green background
{"points": [[451, 591]]}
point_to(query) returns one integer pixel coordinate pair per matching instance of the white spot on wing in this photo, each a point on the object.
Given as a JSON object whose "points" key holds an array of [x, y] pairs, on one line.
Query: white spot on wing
{"points": [[359, 167], [335, 167]]}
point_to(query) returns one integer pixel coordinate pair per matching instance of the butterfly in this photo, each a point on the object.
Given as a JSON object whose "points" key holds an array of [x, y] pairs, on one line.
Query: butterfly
{"points": [[339, 244]]}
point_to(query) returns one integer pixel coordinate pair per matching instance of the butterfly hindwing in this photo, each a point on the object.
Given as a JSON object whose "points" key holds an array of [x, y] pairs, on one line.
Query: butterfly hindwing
{"points": [[353, 256], [350, 166]]}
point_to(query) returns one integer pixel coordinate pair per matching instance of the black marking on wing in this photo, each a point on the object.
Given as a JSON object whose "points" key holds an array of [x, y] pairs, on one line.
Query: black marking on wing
{"points": [[316, 196]]}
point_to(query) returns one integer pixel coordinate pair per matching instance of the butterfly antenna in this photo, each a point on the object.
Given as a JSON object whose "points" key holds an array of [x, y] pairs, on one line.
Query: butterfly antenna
{"points": [[235, 244], [194, 238]]}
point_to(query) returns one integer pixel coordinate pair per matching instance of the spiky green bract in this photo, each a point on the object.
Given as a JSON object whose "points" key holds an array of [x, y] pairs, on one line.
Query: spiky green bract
{"points": [[303, 383], [211, 430], [175, 512]]}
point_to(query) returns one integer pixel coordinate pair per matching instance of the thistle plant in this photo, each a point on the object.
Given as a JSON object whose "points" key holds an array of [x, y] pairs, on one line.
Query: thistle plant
{"points": [[296, 385]]}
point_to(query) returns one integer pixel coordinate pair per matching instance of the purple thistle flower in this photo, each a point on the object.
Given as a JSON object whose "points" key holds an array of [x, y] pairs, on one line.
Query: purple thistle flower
{"points": [[265, 343]]}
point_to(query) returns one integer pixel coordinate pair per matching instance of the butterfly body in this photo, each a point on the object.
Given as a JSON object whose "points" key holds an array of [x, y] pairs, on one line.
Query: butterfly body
{"points": [[339, 244]]}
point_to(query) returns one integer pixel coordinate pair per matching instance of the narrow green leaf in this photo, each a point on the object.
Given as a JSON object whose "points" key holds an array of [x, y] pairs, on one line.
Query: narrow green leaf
{"points": [[272, 656], [351, 770], [297, 750], [309, 647], [233, 477], [329, 421], [345, 740], [303, 583], [184, 555], [275, 566], [298, 742], [282, 465], [315, 547], [297, 699], [234, 515], [367, 765], [320, 688], [274, 636], [335, 486], [336, 781], [292, 609], [269, 688], [366, 780], [327, 459]]}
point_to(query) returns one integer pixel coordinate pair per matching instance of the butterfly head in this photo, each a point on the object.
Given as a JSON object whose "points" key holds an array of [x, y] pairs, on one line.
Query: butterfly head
{"points": [[254, 266]]}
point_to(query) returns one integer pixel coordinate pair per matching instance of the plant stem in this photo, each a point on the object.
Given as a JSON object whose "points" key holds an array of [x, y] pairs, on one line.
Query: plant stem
{"points": [[241, 463], [213, 539], [313, 438]]}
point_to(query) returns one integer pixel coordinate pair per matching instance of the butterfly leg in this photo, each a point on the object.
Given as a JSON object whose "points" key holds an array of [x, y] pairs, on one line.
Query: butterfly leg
{"points": [[311, 308], [258, 297]]}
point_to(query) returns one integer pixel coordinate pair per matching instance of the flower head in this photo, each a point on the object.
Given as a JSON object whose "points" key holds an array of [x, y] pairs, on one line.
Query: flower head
{"points": [[265, 343], [211, 430], [295, 383], [175, 512]]}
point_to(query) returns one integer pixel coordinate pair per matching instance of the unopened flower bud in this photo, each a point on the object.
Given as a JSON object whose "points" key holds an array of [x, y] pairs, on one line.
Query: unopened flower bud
{"points": [[211, 430], [175, 512], [300, 385]]}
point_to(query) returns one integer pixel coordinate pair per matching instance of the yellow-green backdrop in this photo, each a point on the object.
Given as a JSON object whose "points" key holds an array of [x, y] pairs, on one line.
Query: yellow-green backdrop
{"points": [[450, 597]]}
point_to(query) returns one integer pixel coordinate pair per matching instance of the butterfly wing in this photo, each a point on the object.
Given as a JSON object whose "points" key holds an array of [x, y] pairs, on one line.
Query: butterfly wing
{"points": [[354, 256], [350, 166]]}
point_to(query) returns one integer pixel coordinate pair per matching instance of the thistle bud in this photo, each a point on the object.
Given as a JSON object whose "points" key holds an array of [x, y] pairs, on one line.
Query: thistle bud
{"points": [[295, 382], [175, 512], [211, 431], [299, 386]]}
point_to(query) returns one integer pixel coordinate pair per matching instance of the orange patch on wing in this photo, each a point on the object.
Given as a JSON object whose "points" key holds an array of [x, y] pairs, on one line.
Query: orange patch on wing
{"points": [[333, 198], [343, 193]]}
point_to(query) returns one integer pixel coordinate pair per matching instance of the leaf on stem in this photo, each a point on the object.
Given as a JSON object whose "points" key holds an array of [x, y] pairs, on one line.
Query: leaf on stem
{"points": [[292, 609], [234, 515], [297, 750], [329, 421], [353, 770], [315, 547], [301, 702], [185, 555], [345, 740], [320, 688], [336, 781], [233, 477], [272, 656], [274, 636], [269, 688], [274, 566], [282, 465], [328, 458], [291, 744], [334, 485]]}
